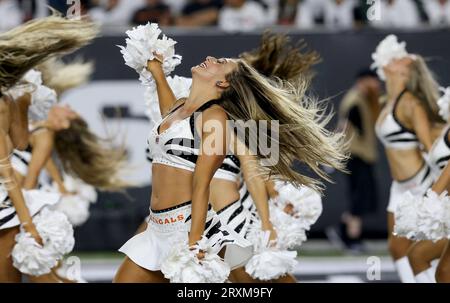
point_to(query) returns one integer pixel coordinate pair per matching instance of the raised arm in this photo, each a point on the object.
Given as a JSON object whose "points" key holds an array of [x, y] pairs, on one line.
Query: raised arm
{"points": [[42, 143], [166, 97], [213, 150]]}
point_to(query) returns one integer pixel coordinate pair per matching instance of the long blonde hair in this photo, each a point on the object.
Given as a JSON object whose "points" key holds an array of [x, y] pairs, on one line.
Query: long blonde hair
{"points": [[302, 135], [422, 85], [24, 47], [62, 76], [92, 159], [276, 56]]}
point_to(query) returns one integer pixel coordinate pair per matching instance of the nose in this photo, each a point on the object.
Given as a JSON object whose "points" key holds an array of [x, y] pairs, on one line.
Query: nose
{"points": [[210, 58]]}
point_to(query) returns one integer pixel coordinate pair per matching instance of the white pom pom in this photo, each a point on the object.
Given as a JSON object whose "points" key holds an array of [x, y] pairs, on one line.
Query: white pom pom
{"points": [[387, 50], [30, 258], [444, 103], [431, 221], [55, 230], [290, 231], [75, 208], [42, 101], [183, 266], [307, 203], [269, 262], [143, 41], [42, 97], [76, 185], [406, 216]]}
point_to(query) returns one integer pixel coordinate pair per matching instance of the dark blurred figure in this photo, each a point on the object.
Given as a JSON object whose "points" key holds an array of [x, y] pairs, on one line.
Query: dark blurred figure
{"points": [[287, 12], [200, 13], [154, 11], [357, 115]]}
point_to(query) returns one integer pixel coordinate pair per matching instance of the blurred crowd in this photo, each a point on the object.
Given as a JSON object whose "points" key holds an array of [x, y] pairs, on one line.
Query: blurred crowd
{"points": [[241, 15]]}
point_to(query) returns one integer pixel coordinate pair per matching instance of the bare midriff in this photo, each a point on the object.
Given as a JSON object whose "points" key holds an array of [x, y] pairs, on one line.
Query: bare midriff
{"points": [[171, 186], [404, 164], [222, 193]]}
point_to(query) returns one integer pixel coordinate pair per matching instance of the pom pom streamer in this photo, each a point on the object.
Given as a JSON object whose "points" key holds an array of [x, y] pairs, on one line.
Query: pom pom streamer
{"points": [[444, 103], [269, 262], [30, 258], [306, 203], [42, 97], [291, 231], [75, 208], [183, 266], [85, 191], [142, 42], [423, 218], [57, 235], [387, 50]]}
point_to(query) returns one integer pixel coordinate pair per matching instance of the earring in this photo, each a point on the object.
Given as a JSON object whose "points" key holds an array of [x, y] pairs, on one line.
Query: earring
{"points": [[218, 83]]}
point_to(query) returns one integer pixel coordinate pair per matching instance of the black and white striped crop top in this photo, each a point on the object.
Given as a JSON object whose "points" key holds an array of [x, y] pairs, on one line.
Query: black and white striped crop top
{"points": [[440, 151], [178, 146], [392, 133]]}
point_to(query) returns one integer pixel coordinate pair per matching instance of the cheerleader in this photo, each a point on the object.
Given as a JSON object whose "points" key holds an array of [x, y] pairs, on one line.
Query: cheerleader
{"points": [[76, 147], [438, 247], [404, 128], [220, 88], [423, 253], [235, 200], [20, 50]]}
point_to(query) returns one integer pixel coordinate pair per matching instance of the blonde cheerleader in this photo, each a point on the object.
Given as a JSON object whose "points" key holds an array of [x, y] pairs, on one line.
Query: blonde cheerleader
{"points": [[20, 50], [427, 218], [404, 127], [221, 88]]}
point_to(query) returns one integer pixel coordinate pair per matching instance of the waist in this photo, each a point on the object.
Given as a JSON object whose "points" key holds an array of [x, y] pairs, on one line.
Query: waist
{"points": [[177, 218], [422, 175]]}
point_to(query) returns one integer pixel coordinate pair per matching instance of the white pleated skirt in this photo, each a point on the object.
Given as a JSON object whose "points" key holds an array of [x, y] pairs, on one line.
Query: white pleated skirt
{"points": [[167, 227]]}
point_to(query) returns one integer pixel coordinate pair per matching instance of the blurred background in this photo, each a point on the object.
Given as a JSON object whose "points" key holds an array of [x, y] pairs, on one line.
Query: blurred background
{"points": [[344, 32]]}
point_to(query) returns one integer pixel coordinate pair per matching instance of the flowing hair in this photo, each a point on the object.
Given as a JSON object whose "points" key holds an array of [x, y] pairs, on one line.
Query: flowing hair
{"points": [[25, 46], [90, 158], [62, 76], [302, 135], [277, 57], [423, 86]]}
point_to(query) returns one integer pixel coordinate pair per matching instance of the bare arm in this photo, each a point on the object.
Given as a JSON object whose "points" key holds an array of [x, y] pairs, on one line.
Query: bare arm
{"points": [[421, 123], [443, 182], [14, 190], [19, 114], [54, 173], [209, 160], [42, 142], [256, 186], [165, 94]]}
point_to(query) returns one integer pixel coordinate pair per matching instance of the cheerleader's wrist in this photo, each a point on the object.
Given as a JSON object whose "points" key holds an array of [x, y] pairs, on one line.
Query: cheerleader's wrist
{"points": [[266, 225]]}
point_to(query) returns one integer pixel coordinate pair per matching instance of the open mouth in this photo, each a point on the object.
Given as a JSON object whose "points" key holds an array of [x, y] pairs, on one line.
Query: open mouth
{"points": [[203, 65]]}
